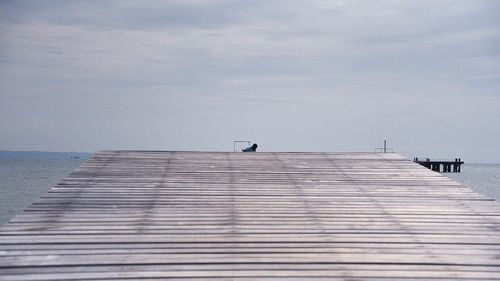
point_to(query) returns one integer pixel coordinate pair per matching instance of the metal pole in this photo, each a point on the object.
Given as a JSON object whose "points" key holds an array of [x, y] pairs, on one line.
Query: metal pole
{"points": [[385, 146]]}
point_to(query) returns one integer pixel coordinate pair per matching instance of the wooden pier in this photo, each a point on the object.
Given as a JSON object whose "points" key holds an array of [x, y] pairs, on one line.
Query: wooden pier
{"points": [[154, 215], [441, 166]]}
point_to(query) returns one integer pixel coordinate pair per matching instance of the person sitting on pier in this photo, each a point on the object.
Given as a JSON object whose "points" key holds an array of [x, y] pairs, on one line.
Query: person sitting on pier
{"points": [[252, 148]]}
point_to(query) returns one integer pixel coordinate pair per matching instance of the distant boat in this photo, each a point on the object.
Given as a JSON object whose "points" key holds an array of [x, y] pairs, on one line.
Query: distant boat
{"points": [[75, 157]]}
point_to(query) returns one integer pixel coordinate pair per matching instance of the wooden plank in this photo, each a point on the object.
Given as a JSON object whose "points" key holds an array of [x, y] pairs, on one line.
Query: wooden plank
{"points": [[149, 215]]}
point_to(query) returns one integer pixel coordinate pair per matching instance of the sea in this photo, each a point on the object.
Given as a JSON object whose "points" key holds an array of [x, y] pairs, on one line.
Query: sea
{"points": [[23, 181]]}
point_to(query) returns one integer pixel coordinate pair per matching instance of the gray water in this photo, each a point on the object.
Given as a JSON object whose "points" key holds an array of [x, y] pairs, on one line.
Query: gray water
{"points": [[23, 181], [483, 178]]}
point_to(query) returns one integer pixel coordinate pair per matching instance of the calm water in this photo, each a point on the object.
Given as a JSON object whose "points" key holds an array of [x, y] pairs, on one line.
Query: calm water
{"points": [[483, 178], [22, 181]]}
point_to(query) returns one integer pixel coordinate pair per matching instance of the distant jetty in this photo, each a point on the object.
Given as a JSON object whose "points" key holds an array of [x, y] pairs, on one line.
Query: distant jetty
{"points": [[441, 166]]}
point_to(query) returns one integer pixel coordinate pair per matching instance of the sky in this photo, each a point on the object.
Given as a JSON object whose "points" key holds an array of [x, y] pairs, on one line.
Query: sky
{"points": [[288, 75]]}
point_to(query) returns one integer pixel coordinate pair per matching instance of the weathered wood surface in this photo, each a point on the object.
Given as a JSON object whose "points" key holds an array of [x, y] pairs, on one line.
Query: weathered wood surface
{"points": [[152, 215]]}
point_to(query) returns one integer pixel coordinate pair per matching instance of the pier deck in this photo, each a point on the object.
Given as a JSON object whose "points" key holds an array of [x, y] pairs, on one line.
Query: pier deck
{"points": [[146, 215]]}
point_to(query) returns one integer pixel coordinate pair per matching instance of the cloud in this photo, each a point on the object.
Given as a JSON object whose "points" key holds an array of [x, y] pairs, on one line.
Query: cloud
{"points": [[178, 69]]}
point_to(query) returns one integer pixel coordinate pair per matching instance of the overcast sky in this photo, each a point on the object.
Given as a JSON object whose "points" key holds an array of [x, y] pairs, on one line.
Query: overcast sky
{"points": [[289, 75]]}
